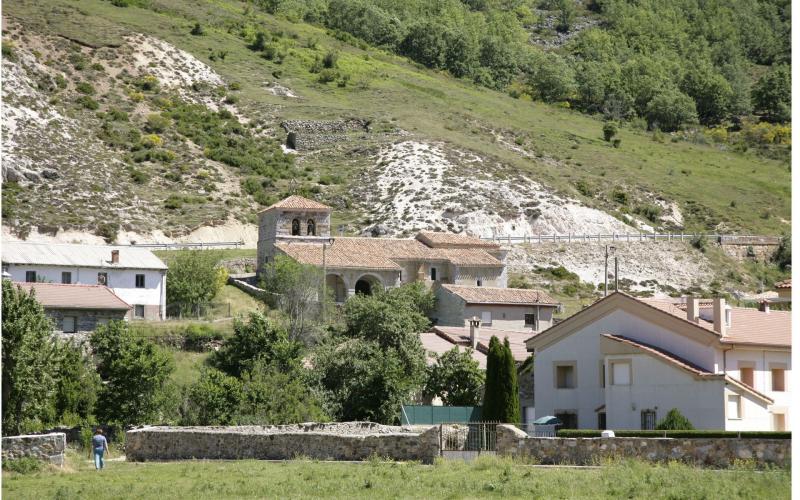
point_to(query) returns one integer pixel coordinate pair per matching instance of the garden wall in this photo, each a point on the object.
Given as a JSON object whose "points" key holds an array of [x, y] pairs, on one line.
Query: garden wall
{"points": [[336, 441], [48, 447], [712, 452]]}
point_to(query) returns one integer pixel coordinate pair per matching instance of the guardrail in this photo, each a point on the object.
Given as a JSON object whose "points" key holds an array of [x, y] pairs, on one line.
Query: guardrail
{"points": [[183, 246], [724, 239]]}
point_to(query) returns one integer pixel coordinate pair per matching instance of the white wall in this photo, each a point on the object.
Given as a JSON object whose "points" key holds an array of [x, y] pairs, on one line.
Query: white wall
{"points": [[755, 416], [656, 385], [762, 362], [583, 347], [121, 281]]}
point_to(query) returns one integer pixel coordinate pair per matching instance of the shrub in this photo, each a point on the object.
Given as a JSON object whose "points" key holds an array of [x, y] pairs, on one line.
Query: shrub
{"points": [[328, 75], [674, 421], [330, 60], [609, 131], [616, 142], [136, 96], [23, 465], [108, 231], [151, 141], [650, 211], [197, 30], [139, 176], [148, 83], [620, 197], [700, 242], [87, 102], [157, 123], [117, 115], [669, 109], [8, 50], [85, 88]]}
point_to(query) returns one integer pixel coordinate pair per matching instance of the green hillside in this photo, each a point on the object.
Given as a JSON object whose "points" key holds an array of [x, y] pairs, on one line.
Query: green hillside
{"points": [[715, 186]]}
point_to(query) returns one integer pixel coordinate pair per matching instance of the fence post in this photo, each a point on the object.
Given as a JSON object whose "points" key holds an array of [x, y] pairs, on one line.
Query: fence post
{"points": [[540, 237], [569, 237]]}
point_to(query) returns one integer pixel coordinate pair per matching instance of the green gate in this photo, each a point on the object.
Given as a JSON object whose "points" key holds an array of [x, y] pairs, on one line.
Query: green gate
{"points": [[430, 415]]}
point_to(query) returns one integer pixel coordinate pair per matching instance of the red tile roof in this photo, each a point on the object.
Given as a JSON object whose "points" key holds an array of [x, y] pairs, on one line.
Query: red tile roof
{"points": [[452, 240], [494, 295], [295, 202], [784, 284], [457, 335], [58, 296], [434, 343]]}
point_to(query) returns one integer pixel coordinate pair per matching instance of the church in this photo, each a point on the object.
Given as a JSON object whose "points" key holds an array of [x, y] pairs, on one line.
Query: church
{"points": [[468, 275]]}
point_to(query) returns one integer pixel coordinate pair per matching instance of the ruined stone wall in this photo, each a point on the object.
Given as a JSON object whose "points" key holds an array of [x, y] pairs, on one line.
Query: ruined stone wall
{"points": [[336, 441], [709, 452], [48, 447]]}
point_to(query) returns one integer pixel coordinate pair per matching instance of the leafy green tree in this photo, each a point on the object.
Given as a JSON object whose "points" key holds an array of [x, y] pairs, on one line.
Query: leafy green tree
{"points": [[711, 92], [456, 378], [258, 338], [213, 400], [669, 110], [674, 421], [77, 388], [426, 43], [194, 278], [295, 288], [566, 14], [135, 372], [772, 95], [275, 397], [783, 254], [552, 79], [609, 131], [30, 362]]}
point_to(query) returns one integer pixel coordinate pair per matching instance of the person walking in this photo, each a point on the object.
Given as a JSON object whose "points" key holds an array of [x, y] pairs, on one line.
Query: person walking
{"points": [[100, 446]]}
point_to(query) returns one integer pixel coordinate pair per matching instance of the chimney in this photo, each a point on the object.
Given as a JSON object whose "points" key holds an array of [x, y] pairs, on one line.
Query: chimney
{"points": [[763, 306], [693, 309], [474, 330], [721, 318], [115, 256]]}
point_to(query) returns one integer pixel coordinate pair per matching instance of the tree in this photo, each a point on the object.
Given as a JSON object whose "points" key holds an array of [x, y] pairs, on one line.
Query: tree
{"points": [[783, 254], [711, 92], [772, 95], [669, 110], [456, 378], [194, 278], [197, 30], [501, 397], [552, 79], [609, 131], [274, 397], [674, 421], [295, 289], [30, 362], [135, 371], [566, 14], [259, 338], [77, 387], [213, 400], [425, 43]]}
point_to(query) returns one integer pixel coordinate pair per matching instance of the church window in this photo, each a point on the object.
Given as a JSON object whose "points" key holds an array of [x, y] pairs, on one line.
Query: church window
{"points": [[311, 230], [295, 227]]}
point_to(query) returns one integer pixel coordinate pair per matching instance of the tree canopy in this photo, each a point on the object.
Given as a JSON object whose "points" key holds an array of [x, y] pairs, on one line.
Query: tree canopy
{"points": [[456, 378]]}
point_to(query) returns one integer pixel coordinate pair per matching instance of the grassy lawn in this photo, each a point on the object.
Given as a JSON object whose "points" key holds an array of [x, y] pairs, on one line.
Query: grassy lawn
{"points": [[490, 477], [187, 366], [240, 302]]}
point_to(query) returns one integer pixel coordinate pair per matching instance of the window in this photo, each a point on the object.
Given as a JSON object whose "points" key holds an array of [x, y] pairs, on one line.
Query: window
{"points": [[311, 229], [734, 407], [601, 420], [66, 278], [780, 421], [648, 420], [569, 419], [746, 375], [486, 318], [102, 278], [530, 321], [433, 274], [138, 311], [778, 379], [295, 227], [620, 373], [68, 324], [479, 282], [140, 281], [30, 276], [602, 374], [565, 376]]}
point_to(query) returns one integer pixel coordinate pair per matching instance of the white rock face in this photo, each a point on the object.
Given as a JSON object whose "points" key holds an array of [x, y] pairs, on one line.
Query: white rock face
{"points": [[428, 186]]}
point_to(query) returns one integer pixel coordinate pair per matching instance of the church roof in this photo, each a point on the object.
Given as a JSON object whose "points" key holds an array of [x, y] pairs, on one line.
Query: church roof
{"points": [[296, 202], [453, 240]]}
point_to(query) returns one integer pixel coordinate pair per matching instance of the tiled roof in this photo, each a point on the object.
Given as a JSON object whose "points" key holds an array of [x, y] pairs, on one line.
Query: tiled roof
{"points": [[382, 253], [679, 362], [453, 240], [299, 203], [748, 325], [784, 284], [457, 335], [63, 254], [493, 295], [434, 343], [58, 296]]}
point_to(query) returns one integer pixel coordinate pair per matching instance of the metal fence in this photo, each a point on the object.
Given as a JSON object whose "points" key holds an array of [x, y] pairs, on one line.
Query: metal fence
{"points": [[467, 440], [199, 310], [724, 239], [432, 415]]}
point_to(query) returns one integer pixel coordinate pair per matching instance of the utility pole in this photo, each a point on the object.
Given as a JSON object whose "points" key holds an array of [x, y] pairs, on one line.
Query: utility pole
{"points": [[616, 274]]}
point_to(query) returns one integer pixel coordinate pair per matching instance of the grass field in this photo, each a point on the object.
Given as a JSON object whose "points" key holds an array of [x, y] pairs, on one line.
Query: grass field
{"points": [[489, 477], [710, 184]]}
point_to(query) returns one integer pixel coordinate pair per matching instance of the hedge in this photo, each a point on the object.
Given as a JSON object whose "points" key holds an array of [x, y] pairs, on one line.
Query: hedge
{"points": [[591, 433]]}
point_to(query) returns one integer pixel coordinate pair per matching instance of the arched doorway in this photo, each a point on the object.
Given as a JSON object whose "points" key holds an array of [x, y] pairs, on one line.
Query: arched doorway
{"points": [[368, 285], [336, 288]]}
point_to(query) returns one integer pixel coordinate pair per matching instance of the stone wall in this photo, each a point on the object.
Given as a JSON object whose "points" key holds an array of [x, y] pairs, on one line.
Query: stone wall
{"points": [[336, 441], [591, 451], [49, 447]]}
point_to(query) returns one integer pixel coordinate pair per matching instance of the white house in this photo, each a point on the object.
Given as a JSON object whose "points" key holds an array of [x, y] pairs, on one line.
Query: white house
{"points": [[623, 363], [135, 275]]}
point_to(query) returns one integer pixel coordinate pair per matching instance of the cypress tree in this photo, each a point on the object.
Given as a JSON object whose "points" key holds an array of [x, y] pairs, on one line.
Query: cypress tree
{"points": [[492, 400], [511, 411]]}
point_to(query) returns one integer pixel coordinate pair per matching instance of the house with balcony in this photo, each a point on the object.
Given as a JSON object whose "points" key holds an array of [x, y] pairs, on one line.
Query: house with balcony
{"points": [[624, 362], [135, 275]]}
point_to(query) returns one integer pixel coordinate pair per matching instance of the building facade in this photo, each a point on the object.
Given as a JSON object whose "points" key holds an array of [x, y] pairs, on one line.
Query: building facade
{"points": [[624, 362], [135, 275]]}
